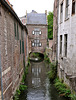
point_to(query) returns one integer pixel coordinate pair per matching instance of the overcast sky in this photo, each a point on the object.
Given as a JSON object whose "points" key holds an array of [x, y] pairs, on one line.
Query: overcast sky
{"points": [[20, 6]]}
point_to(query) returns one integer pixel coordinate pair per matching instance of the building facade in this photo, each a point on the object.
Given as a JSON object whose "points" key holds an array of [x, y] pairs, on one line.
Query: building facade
{"points": [[54, 56], [13, 50], [37, 31], [67, 42]]}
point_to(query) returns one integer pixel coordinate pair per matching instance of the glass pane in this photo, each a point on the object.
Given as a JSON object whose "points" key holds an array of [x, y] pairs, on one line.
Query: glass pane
{"points": [[33, 32], [40, 32]]}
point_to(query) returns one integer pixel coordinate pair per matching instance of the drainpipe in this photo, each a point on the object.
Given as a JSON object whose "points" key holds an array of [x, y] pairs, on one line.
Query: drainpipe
{"points": [[57, 31], [1, 77]]}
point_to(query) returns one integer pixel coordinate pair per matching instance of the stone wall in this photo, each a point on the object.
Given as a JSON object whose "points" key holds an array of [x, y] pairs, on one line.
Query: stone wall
{"points": [[67, 68], [55, 30]]}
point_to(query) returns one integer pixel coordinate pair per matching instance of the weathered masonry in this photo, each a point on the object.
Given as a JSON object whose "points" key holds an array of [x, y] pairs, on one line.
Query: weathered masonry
{"points": [[67, 42], [55, 31], [37, 30], [13, 50]]}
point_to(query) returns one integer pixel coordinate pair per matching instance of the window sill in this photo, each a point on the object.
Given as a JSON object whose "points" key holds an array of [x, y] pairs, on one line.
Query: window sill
{"points": [[61, 22], [66, 18], [72, 14]]}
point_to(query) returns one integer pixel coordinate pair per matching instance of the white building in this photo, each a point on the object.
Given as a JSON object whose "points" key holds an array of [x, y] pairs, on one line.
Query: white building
{"points": [[67, 42]]}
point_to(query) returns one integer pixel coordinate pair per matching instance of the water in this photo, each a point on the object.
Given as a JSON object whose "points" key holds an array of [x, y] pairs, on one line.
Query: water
{"points": [[39, 87]]}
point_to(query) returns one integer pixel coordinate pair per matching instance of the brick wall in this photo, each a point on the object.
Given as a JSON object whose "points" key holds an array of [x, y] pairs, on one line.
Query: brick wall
{"points": [[11, 58], [42, 38]]}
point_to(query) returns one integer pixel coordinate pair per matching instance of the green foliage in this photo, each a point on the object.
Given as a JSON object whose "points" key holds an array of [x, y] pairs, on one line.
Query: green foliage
{"points": [[50, 25], [73, 96], [28, 61], [62, 88], [16, 96], [25, 74], [22, 87], [46, 58], [53, 72], [35, 55]]}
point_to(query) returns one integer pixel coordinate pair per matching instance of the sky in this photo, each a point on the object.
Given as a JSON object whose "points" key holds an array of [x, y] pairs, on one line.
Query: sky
{"points": [[20, 6]]}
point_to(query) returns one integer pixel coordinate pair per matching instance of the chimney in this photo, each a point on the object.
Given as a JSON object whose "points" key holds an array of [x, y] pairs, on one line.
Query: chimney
{"points": [[26, 12], [26, 16], [46, 12]]}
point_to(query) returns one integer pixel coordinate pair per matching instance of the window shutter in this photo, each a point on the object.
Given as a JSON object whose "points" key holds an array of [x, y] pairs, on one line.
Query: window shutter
{"points": [[15, 29], [17, 32], [20, 46]]}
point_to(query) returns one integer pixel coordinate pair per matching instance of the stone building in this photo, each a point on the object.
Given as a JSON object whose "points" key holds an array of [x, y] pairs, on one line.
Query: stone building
{"points": [[13, 50], [55, 31], [37, 31], [67, 42]]}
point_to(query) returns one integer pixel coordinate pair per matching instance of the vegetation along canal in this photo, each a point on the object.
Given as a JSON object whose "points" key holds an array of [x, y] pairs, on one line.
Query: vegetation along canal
{"points": [[39, 87]]}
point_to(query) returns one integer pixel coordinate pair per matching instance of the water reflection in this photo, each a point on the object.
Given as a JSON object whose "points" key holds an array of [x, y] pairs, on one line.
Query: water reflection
{"points": [[39, 87]]}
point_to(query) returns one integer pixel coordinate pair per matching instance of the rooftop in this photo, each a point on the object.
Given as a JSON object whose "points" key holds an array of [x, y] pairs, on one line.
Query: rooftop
{"points": [[36, 18]]}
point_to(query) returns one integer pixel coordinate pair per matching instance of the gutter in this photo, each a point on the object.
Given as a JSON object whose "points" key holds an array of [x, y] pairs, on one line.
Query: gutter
{"points": [[1, 77], [3, 2]]}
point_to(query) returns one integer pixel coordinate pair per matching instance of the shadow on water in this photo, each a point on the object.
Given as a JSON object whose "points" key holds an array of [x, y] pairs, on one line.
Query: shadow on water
{"points": [[39, 87]]}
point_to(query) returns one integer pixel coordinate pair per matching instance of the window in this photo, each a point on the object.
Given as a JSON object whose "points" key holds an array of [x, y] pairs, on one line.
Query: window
{"points": [[36, 43], [36, 32], [73, 6], [33, 44], [61, 13], [60, 44], [65, 45], [16, 31], [33, 32], [66, 9]]}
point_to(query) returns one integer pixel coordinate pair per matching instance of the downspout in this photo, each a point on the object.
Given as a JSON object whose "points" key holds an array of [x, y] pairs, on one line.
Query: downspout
{"points": [[57, 31], [1, 77]]}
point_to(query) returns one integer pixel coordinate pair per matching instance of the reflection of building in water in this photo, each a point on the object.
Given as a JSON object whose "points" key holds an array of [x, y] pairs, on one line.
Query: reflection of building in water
{"points": [[36, 71], [36, 74], [36, 82]]}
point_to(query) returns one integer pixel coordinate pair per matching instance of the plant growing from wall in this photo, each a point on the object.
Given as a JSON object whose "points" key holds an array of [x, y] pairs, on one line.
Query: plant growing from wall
{"points": [[53, 72], [46, 58], [22, 86], [73, 96], [62, 88]]}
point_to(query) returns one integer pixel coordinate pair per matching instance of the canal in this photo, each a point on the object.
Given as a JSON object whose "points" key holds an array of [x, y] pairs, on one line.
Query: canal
{"points": [[39, 87]]}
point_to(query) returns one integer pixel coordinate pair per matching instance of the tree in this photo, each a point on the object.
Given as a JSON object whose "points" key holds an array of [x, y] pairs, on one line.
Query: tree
{"points": [[50, 25]]}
